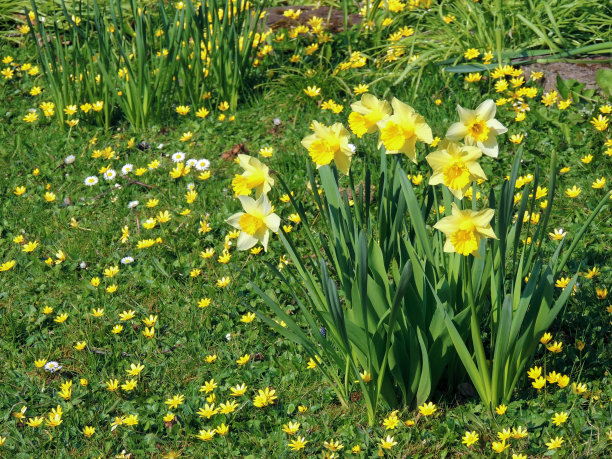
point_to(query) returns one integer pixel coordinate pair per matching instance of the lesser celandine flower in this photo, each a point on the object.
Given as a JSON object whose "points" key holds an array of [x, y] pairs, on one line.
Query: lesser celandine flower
{"points": [[535, 372], [175, 401], [470, 438], [329, 143], [559, 418], [427, 409], [504, 435], [555, 347], [538, 382], [367, 113], [291, 428], [554, 443], [478, 127], [387, 443], [255, 222], [312, 91], [464, 230], [238, 390], [400, 132], [206, 435], [579, 388], [499, 446], [265, 397], [298, 443], [7, 265], [501, 409], [256, 177], [455, 165]]}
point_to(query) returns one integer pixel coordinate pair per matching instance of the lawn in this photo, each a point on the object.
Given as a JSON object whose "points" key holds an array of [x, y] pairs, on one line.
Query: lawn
{"points": [[292, 236]]}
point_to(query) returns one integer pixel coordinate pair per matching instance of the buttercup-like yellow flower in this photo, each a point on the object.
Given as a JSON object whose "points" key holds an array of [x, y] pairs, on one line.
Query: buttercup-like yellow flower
{"points": [[470, 438], [427, 409], [312, 91], [7, 265]]}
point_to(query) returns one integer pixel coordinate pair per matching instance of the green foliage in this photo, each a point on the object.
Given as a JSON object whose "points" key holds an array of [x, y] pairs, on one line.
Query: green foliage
{"points": [[228, 40], [604, 80], [379, 322], [517, 313], [105, 54], [393, 301], [9, 8]]}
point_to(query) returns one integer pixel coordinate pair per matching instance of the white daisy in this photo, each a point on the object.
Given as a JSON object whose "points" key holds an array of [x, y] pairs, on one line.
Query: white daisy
{"points": [[178, 157], [69, 159], [192, 162], [202, 164], [125, 170], [110, 174], [52, 366], [132, 204], [191, 186], [91, 180], [127, 260]]}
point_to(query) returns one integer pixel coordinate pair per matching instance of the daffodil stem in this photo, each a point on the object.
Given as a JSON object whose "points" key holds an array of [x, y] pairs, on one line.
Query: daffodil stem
{"points": [[346, 376], [481, 358]]}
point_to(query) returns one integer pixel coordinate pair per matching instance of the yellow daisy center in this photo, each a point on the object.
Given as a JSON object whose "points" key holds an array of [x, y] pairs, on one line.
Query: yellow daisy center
{"points": [[251, 224], [478, 130], [456, 175]]}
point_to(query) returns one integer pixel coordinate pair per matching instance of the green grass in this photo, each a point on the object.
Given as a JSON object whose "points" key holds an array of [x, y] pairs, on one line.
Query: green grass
{"points": [[159, 283]]}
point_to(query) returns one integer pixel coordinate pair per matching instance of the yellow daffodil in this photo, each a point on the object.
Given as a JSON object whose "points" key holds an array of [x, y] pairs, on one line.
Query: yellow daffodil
{"points": [[255, 222], [367, 113], [455, 165], [256, 176], [464, 230], [329, 143], [400, 132], [478, 127]]}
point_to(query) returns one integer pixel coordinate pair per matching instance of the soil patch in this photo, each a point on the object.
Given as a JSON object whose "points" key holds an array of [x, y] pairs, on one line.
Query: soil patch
{"points": [[584, 73], [276, 20]]}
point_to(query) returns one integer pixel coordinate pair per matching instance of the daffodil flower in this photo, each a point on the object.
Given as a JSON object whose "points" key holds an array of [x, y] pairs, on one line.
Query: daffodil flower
{"points": [[329, 143], [478, 127], [255, 222], [400, 132], [465, 228], [456, 166], [256, 177], [367, 113]]}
